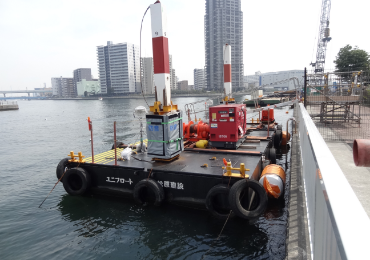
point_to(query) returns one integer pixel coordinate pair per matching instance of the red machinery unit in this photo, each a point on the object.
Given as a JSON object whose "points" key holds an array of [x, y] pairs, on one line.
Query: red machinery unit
{"points": [[228, 125], [265, 116], [195, 132]]}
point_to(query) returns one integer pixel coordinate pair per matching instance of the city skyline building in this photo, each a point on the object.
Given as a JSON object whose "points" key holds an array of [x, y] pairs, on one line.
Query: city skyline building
{"points": [[199, 78], [182, 85], [173, 82], [147, 75], [259, 79], [80, 74], [63, 87], [223, 23], [119, 68]]}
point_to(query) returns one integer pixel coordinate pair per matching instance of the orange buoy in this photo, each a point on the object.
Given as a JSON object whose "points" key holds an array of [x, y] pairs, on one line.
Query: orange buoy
{"points": [[286, 138], [273, 180]]}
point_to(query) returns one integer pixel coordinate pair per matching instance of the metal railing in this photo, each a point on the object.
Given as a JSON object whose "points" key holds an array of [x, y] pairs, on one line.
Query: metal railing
{"points": [[338, 225]]}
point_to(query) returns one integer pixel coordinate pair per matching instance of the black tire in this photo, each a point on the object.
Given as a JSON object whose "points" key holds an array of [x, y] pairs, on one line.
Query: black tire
{"points": [[61, 168], [148, 190], [280, 134], [276, 140], [279, 127], [76, 181], [217, 201], [272, 155], [239, 199]]}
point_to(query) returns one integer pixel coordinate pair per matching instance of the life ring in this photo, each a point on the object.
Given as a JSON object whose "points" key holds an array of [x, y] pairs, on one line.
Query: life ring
{"points": [[76, 181], [240, 202], [217, 201], [61, 168], [148, 190]]}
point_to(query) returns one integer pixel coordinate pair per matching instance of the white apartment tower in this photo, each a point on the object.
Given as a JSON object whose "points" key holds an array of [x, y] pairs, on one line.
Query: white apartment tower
{"points": [[173, 83], [63, 87], [119, 68], [147, 75], [199, 79]]}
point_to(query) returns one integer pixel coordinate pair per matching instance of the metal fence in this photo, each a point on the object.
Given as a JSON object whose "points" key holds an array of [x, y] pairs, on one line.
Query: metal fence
{"points": [[337, 223], [339, 104]]}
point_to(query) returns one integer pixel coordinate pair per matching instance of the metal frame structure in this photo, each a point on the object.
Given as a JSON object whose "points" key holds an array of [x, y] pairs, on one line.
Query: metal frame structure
{"points": [[338, 104], [324, 36]]}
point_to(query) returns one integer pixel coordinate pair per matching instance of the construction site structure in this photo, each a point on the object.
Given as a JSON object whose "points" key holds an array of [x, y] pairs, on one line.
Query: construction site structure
{"points": [[338, 102]]}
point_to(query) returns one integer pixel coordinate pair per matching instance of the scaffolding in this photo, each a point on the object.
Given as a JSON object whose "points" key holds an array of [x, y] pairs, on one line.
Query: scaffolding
{"points": [[338, 103]]}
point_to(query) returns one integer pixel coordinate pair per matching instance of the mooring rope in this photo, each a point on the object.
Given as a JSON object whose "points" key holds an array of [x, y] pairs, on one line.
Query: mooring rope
{"points": [[218, 235], [56, 184]]}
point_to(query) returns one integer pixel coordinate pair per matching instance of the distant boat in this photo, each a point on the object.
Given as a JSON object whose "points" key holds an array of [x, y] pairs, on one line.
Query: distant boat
{"points": [[100, 98]]}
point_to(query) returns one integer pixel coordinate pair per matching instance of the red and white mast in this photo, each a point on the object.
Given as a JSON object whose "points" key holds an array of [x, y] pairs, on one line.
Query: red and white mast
{"points": [[160, 54], [227, 71]]}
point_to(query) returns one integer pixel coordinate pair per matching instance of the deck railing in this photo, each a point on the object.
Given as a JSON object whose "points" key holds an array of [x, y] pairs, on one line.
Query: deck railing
{"points": [[338, 225]]}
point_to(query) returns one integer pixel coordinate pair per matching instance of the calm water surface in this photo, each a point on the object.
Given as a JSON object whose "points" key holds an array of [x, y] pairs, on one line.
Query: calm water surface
{"points": [[37, 136]]}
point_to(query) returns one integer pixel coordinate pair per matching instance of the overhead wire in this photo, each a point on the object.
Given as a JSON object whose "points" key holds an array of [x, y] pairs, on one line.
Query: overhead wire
{"points": [[141, 81]]}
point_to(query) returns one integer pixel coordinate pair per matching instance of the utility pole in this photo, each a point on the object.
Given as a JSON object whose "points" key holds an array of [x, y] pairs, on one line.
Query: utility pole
{"points": [[305, 88]]}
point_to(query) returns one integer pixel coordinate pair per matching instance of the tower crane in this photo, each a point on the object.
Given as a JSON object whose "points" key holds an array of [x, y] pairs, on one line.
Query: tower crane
{"points": [[324, 37]]}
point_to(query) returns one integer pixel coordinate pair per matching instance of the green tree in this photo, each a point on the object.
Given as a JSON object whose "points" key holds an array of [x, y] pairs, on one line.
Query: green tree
{"points": [[352, 59]]}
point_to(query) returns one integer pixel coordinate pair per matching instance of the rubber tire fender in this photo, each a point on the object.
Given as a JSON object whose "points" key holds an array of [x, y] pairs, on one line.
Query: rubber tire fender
{"points": [[61, 168], [76, 181], [154, 186], [214, 191], [234, 199], [272, 155], [276, 139]]}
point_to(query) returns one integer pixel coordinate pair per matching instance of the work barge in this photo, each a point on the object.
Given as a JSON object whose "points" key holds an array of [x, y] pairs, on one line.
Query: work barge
{"points": [[224, 163]]}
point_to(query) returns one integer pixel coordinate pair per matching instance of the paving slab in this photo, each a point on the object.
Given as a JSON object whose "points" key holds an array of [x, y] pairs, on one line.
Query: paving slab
{"points": [[358, 177]]}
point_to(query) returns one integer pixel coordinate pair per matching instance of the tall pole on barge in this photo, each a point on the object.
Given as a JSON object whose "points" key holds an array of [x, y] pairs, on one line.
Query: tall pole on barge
{"points": [[160, 58], [164, 120], [227, 75]]}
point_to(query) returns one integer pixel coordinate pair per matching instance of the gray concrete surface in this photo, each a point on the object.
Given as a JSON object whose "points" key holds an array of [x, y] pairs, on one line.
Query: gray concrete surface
{"points": [[358, 177], [298, 242]]}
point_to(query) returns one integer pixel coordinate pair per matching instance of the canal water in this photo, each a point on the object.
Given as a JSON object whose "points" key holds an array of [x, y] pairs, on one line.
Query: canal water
{"points": [[37, 136]]}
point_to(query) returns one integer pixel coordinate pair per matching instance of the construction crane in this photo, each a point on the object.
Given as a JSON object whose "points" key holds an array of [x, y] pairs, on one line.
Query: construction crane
{"points": [[324, 37]]}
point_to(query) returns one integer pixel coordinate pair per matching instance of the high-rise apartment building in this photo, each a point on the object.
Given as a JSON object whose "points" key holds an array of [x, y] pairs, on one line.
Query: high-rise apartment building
{"points": [[198, 79], [80, 74], [63, 87], [223, 23], [173, 82], [147, 75], [173, 79], [119, 68]]}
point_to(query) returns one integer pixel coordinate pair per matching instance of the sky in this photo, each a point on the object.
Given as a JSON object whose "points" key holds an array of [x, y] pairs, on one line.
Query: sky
{"points": [[42, 39]]}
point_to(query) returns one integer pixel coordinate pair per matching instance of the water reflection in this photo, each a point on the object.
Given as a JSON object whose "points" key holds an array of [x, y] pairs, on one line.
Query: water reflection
{"points": [[171, 232]]}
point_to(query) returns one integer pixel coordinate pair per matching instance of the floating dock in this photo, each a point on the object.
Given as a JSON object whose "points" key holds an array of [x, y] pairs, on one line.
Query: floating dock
{"points": [[265, 101], [8, 105]]}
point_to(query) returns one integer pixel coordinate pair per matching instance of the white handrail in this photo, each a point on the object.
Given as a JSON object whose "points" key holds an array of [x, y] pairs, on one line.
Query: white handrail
{"points": [[338, 225]]}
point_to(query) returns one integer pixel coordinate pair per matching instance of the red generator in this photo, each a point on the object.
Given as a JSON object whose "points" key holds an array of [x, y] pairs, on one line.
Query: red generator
{"points": [[228, 124]]}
